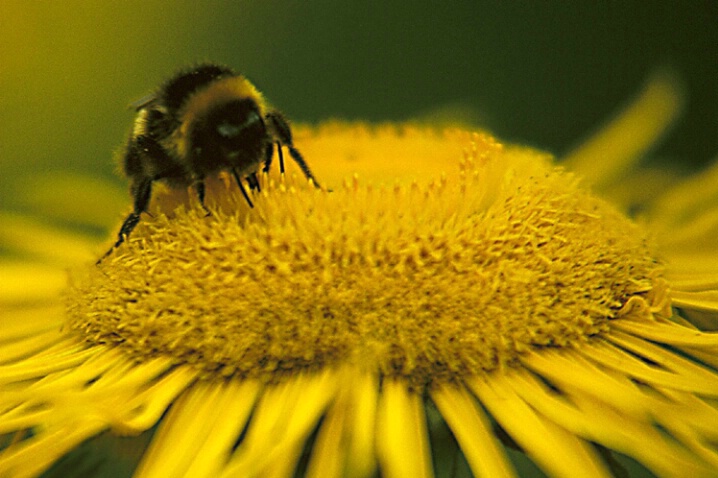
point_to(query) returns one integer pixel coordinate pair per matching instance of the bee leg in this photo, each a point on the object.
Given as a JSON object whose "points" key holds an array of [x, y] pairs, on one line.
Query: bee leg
{"points": [[281, 157], [241, 187], [268, 153], [200, 195], [253, 182], [283, 134], [142, 193], [297, 157]]}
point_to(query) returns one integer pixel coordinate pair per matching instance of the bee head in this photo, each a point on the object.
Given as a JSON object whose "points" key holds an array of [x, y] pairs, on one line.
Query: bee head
{"points": [[231, 135], [236, 121]]}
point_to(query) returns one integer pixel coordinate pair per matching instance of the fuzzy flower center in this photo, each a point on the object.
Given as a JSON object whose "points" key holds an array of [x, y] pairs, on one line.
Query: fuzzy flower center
{"points": [[448, 268]]}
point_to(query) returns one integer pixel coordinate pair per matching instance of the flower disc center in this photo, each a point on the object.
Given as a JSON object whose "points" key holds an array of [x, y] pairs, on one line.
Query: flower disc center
{"points": [[429, 281]]}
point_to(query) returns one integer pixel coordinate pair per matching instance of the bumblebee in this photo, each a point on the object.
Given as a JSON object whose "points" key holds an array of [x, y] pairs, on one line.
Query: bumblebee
{"points": [[201, 121]]}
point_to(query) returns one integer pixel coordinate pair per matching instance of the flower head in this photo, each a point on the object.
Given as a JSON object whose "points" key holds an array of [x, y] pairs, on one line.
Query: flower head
{"points": [[316, 332]]}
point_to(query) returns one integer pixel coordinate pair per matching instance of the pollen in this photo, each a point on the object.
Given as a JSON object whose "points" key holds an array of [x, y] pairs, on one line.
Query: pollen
{"points": [[432, 256]]}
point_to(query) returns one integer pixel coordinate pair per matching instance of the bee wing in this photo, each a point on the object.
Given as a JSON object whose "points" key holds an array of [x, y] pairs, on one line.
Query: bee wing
{"points": [[143, 102]]}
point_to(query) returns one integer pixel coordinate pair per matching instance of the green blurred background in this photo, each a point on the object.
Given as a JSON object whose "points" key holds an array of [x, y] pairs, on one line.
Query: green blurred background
{"points": [[539, 73]]}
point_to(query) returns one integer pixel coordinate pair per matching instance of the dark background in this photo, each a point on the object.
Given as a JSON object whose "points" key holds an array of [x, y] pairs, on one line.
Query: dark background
{"points": [[539, 73]]}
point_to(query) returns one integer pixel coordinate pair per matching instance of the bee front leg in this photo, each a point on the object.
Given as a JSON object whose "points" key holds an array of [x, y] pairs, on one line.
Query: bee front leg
{"points": [[253, 182], [268, 153], [281, 157], [297, 157], [283, 134], [241, 187], [201, 190], [142, 192]]}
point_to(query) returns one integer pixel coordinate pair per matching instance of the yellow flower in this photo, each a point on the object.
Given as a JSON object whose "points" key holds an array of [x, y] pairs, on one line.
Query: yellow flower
{"points": [[445, 280]]}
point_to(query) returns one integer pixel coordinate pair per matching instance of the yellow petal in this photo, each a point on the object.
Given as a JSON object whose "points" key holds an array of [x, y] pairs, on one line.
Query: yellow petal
{"points": [[61, 357], [688, 198], [555, 449], [30, 236], [285, 415], [590, 417], [570, 369], [697, 234], [401, 427], [620, 144], [26, 321], [145, 408], [32, 456], [345, 443], [216, 413], [666, 368], [473, 432], [667, 333], [704, 300], [73, 198], [24, 283]]}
